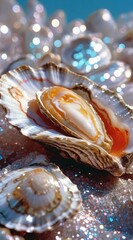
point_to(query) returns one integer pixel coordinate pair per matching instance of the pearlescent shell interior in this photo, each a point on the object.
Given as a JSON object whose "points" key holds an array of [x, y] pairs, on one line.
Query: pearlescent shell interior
{"points": [[85, 54], [18, 96], [120, 114], [73, 114], [111, 75], [34, 198]]}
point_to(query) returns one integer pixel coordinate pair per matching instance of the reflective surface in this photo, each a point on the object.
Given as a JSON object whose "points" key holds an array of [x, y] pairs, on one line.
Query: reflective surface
{"points": [[85, 54]]}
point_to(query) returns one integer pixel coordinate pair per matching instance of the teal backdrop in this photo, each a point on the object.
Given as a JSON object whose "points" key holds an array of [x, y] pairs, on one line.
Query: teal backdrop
{"points": [[76, 9]]}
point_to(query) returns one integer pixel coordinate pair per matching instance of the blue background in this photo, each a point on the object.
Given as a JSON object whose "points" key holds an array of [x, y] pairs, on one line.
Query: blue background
{"points": [[76, 9]]}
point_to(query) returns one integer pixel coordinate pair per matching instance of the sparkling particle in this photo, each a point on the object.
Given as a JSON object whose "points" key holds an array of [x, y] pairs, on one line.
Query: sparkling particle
{"points": [[57, 43], [1, 130], [55, 23], [4, 29], [36, 41], [36, 27], [111, 219], [4, 56], [101, 227], [1, 157]]}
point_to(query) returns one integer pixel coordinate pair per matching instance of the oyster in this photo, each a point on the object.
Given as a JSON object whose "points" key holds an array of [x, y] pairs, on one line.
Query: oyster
{"points": [[18, 90], [102, 21], [34, 198], [85, 53], [5, 234]]}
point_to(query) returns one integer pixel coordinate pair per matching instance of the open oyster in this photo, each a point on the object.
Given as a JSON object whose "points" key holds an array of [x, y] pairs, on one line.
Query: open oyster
{"points": [[18, 95], [34, 198]]}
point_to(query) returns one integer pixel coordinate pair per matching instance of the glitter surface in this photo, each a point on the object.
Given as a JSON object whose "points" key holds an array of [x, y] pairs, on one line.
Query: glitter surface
{"points": [[107, 208]]}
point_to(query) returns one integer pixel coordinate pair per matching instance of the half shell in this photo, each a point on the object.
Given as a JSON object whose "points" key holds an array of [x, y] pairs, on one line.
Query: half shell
{"points": [[18, 95], [34, 198]]}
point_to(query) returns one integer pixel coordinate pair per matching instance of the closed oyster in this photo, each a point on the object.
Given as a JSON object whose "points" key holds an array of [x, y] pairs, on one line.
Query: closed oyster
{"points": [[34, 198], [18, 95]]}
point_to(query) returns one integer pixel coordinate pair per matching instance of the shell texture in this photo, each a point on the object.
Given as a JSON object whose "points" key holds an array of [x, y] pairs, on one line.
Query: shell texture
{"points": [[5, 234], [18, 90], [34, 198]]}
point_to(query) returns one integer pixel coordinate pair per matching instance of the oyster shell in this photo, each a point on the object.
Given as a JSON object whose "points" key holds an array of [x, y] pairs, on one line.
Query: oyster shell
{"points": [[111, 75], [102, 21], [126, 90], [5, 234], [18, 95], [34, 198], [85, 53]]}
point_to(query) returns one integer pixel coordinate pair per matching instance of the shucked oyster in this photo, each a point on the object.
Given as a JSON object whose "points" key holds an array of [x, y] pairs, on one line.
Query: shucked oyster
{"points": [[72, 113], [18, 95]]}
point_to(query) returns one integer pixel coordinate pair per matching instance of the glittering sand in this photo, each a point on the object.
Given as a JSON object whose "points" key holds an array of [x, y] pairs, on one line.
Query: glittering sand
{"points": [[107, 208]]}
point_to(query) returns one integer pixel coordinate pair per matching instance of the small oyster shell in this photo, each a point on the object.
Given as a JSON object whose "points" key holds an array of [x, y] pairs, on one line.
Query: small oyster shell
{"points": [[5, 234], [18, 95], [85, 53], [34, 198]]}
